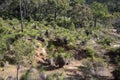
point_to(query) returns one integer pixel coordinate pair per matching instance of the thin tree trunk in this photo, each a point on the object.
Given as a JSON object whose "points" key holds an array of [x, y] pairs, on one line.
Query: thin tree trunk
{"points": [[95, 22], [18, 66], [55, 14], [40, 10], [21, 16], [65, 19]]}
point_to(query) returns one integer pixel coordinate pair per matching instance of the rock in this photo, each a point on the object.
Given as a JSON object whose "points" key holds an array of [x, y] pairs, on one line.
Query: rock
{"points": [[104, 72], [67, 61], [44, 51], [32, 70], [22, 70], [43, 76], [116, 46], [41, 54], [50, 61], [70, 68], [6, 64]]}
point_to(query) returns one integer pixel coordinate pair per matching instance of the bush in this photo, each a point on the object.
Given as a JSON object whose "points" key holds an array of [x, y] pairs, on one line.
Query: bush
{"points": [[10, 39], [90, 51], [105, 41], [3, 51], [90, 70], [23, 50], [51, 48], [60, 50], [65, 22]]}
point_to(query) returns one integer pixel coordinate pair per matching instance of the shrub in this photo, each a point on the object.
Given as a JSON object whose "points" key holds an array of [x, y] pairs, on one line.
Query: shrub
{"points": [[105, 41], [12, 37], [90, 70], [51, 48], [3, 50], [90, 51], [116, 50], [23, 49], [65, 22], [60, 50]]}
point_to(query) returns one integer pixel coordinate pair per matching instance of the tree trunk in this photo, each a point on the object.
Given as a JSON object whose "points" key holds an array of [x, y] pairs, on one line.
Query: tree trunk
{"points": [[55, 14], [95, 22], [40, 12], [18, 67], [65, 19], [20, 4]]}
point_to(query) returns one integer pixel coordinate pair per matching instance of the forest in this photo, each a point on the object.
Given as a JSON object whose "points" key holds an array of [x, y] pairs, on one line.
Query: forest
{"points": [[59, 39]]}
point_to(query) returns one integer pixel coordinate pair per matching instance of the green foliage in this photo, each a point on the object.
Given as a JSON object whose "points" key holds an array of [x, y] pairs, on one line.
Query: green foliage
{"points": [[91, 69], [99, 10], [51, 48], [67, 55], [23, 49], [60, 50], [3, 50], [80, 15], [70, 19], [65, 22], [90, 51], [105, 41], [116, 50]]}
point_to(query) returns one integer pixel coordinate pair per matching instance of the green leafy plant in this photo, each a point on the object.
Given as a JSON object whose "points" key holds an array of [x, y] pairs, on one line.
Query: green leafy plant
{"points": [[22, 50], [90, 51], [105, 41], [3, 51]]}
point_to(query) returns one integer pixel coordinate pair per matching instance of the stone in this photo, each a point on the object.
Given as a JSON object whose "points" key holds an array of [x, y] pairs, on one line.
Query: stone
{"points": [[32, 70]]}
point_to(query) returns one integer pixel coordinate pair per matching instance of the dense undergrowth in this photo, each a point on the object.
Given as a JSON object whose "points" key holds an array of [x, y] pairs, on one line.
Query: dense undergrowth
{"points": [[47, 35], [60, 43]]}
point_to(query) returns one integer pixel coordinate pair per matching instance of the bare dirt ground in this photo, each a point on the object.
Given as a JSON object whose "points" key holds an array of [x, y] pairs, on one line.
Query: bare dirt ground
{"points": [[11, 71]]}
